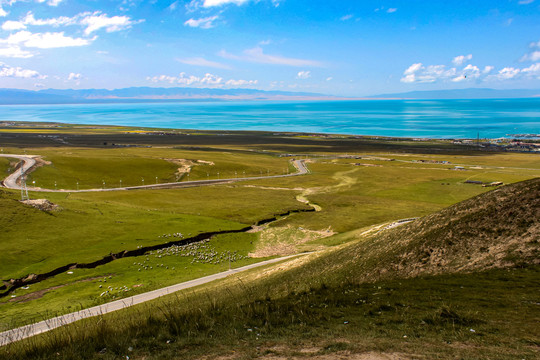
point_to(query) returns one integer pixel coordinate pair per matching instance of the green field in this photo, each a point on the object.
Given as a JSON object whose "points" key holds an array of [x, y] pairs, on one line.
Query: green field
{"points": [[355, 298], [391, 181]]}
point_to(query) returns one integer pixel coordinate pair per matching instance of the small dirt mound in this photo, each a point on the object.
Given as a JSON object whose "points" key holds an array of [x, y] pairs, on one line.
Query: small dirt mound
{"points": [[42, 204]]}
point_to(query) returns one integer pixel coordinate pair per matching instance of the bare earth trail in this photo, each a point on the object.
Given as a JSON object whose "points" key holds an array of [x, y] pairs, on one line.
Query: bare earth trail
{"points": [[24, 332], [29, 162], [344, 181]]}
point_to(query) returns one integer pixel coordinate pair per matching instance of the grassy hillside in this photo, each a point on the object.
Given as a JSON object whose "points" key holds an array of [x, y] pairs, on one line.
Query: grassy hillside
{"points": [[454, 284], [498, 229]]}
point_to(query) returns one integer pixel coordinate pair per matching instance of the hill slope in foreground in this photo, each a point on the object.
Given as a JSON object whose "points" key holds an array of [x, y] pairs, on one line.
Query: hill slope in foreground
{"points": [[494, 230], [460, 283]]}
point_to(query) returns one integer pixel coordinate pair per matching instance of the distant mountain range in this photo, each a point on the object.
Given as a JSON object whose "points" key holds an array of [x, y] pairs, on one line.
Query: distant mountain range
{"points": [[140, 94], [135, 94]]}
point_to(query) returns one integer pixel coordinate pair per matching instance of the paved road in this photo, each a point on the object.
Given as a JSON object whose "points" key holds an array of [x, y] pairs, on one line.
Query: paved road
{"points": [[29, 160], [23, 332]]}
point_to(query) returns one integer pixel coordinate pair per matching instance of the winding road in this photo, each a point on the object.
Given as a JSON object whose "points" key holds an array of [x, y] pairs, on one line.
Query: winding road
{"points": [[29, 161], [24, 332]]}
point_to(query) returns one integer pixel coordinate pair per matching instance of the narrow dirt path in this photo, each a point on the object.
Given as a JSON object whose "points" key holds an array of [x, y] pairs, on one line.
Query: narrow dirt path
{"points": [[344, 181]]}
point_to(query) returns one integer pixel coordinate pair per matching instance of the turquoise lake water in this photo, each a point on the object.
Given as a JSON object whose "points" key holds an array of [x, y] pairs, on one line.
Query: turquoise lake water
{"points": [[400, 118]]}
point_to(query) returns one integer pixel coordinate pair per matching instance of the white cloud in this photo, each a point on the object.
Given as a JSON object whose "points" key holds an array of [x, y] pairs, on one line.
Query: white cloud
{"points": [[203, 23], [91, 21], [459, 60], [258, 56], [208, 80], [532, 56], [199, 61], [413, 68], [329, 78], [15, 52], [111, 24], [303, 75], [29, 19], [196, 4], [11, 25], [511, 73], [155, 79], [2, 12], [18, 72], [241, 82], [50, 2], [469, 72], [74, 76], [408, 78], [211, 79], [533, 70], [507, 73], [211, 3], [389, 10], [183, 79], [472, 69], [44, 40], [525, 2], [418, 73], [193, 5], [459, 78], [346, 17]]}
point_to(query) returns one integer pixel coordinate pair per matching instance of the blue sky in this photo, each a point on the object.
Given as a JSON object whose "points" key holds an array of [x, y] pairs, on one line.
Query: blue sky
{"points": [[339, 47]]}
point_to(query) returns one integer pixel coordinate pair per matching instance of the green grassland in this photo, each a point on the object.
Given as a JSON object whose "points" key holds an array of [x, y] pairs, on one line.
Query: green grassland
{"points": [[352, 299], [4, 166], [91, 225], [436, 317], [92, 168], [84, 288]]}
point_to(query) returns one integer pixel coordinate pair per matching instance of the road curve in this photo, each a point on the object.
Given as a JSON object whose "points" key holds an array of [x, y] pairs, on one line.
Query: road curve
{"points": [[24, 332], [29, 161]]}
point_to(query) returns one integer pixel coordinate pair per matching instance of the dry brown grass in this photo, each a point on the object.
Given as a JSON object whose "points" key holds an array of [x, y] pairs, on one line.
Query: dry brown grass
{"points": [[494, 230]]}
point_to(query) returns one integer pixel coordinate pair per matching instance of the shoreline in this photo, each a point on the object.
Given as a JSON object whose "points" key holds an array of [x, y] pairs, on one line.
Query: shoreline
{"points": [[20, 124], [399, 119]]}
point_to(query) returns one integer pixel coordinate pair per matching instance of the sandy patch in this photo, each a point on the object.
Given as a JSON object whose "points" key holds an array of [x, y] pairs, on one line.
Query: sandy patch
{"points": [[42, 204], [284, 266], [274, 188], [283, 241], [211, 163], [185, 166], [370, 165]]}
